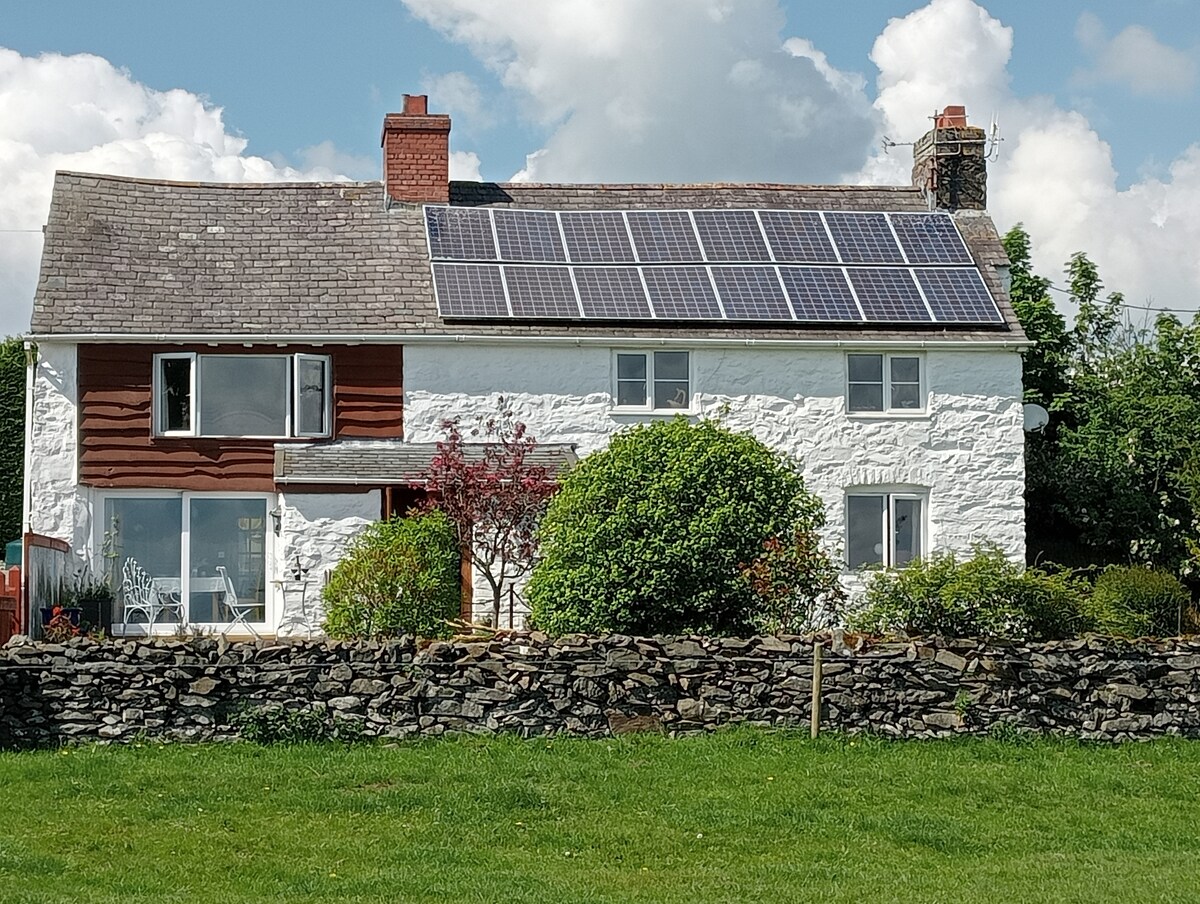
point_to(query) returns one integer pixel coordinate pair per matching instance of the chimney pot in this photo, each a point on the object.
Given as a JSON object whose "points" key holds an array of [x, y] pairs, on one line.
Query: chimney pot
{"points": [[418, 105], [953, 117]]}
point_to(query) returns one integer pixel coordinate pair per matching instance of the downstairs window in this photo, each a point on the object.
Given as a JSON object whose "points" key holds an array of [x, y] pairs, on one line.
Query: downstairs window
{"points": [[884, 529]]}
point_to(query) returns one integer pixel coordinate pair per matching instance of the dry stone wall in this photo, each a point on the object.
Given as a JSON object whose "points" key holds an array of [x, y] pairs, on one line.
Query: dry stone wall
{"points": [[528, 684]]}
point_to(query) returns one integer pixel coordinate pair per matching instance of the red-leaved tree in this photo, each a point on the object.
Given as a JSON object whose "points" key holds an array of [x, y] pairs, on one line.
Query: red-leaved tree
{"points": [[494, 494]]}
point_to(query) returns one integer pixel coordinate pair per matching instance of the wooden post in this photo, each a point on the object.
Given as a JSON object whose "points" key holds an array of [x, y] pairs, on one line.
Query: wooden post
{"points": [[816, 688]]}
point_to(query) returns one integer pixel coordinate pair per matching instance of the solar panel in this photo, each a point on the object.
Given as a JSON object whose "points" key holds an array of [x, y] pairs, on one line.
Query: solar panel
{"points": [[863, 238], [731, 235], [751, 293], [681, 293], [958, 295], [819, 293], [798, 235], [596, 237], [460, 233], [541, 292], [930, 238], [529, 235], [469, 290], [887, 294], [663, 235], [612, 293]]}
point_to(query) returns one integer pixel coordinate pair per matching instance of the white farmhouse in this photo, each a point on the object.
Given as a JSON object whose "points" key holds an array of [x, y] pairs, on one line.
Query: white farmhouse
{"points": [[231, 380]]}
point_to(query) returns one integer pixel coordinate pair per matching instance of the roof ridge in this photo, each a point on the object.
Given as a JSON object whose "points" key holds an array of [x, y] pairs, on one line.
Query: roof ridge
{"points": [[183, 183]]}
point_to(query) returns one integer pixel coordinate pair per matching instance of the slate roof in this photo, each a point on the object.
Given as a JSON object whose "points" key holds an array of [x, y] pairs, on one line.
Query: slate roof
{"points": [[375, 462], [126, 256]]}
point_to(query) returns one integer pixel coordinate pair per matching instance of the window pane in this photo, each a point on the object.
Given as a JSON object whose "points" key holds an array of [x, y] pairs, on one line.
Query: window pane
{"points": [[866, 397], [631, 392], [906, 541], [671, 394], [865, 368], [175, 394], [312, 405], [243, 395], [631, 367], [230, 533], [906, 370], [864, 530], [671, 366], [147, 531], [906, 395]]}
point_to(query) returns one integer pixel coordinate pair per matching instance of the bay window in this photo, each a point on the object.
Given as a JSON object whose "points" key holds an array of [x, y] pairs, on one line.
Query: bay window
{"points": [[241, 395]]}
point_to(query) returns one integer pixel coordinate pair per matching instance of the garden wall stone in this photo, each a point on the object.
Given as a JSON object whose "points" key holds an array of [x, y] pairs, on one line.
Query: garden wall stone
{"points": [[527, 684]]}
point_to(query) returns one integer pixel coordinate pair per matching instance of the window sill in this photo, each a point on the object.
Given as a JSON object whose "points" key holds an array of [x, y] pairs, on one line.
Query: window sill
{"points": [[651, 412], [899, 415]]}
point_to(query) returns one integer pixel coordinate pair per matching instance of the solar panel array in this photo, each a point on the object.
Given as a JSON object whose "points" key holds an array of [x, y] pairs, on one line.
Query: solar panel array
{"points": [[766, 266]]}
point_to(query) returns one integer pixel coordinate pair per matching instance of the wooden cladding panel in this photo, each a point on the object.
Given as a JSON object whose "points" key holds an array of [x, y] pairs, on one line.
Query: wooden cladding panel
{"points": [[118, 448]]}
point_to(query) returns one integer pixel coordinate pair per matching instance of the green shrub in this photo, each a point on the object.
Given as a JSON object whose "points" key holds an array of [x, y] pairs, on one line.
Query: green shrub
{"points": [[986, 595], [274, 724], [399, 576], [655, 534], [1132, 601]]}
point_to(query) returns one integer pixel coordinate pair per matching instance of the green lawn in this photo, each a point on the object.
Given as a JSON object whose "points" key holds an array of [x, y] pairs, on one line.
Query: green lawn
{"points": [[741, 816]]}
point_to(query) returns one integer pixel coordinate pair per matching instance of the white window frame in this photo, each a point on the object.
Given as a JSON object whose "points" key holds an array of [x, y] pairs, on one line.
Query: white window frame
{"points": [[648, 406], [326, 391], [888, 409], [291, 391], [158, 405], [890, 497], [270, 611]]}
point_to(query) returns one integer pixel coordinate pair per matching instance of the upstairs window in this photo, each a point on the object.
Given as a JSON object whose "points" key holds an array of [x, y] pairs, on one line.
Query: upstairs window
{"points": [[884, 383], [241, 395], [884, 529], [654, 381]]}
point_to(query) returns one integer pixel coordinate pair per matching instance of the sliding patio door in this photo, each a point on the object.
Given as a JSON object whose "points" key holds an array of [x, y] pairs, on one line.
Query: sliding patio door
{"points": [[183, 541]]}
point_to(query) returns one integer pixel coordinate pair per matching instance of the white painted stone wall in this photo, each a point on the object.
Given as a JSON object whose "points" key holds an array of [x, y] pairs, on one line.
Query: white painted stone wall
{"points": [[59, 508], [316, 527], [965, 451]]}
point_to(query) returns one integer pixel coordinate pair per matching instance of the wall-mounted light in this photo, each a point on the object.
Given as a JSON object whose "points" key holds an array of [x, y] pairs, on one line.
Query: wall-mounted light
{"points": [[276, 519]]}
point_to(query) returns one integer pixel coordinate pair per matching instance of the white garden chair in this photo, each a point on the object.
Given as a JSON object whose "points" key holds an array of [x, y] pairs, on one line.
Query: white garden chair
{"points": [[238, 611], [139, 593]]}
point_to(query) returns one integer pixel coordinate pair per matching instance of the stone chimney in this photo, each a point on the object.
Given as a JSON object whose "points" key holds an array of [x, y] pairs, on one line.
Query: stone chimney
{"points": [[949, 164], [416, 154]]}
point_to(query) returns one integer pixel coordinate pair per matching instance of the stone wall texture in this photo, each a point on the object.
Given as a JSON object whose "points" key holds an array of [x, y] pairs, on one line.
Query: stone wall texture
{"points": [[528, 684]]}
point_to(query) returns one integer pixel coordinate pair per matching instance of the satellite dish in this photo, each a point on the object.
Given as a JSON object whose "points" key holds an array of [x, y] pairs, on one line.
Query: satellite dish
{"points": [[1036, 418]]}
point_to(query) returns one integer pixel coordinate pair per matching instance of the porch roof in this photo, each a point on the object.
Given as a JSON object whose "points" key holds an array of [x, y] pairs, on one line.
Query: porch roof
{"points": [[379, 462]]}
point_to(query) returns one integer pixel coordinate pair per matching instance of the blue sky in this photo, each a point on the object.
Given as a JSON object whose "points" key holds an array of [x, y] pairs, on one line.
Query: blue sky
{"points": [[305, 85]]}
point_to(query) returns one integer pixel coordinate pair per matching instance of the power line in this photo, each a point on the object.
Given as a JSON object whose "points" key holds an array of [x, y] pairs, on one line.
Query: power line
{"points": [[21, 230], [1132, 307]]}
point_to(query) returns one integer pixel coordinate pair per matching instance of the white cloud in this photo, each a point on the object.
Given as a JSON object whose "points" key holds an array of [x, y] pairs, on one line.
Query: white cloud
{"points": [[464, 166], [81, 113], [664, 90], [1134, 58], [1053, 172], [457, 93]]}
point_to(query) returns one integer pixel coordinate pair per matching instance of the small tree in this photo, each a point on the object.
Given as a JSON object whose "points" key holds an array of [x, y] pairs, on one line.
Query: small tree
{"points": [[494, 495], [398, 576]]}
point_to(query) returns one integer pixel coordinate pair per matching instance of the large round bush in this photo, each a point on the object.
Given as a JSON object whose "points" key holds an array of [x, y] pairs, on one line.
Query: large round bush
{"points": [[399, 576], [653, 534]]}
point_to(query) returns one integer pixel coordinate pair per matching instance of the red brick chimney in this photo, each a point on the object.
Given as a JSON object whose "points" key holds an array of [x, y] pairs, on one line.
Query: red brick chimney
{"points": [[416, 154]]}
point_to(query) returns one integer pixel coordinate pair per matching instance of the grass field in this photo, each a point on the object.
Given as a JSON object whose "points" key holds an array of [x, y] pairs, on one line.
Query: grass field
{"points": [[733, 817]]}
